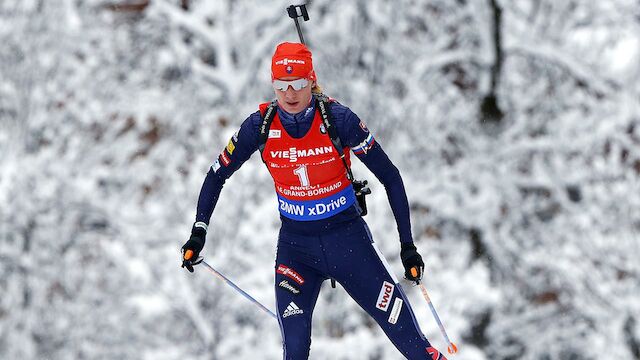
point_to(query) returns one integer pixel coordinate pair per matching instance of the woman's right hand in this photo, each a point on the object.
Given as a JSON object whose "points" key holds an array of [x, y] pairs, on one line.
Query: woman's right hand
{"points": [[191, 249]]}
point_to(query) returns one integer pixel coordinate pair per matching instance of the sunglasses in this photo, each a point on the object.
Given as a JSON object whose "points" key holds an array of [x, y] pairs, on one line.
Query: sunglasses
{"points": [[297, 84]]}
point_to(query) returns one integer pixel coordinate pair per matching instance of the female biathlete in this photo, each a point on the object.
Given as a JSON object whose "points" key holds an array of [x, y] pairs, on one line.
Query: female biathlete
{"points": [[323, 235]]}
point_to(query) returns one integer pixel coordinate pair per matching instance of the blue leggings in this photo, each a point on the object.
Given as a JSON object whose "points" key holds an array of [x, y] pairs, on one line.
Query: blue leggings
{"points": [[348, 255]]}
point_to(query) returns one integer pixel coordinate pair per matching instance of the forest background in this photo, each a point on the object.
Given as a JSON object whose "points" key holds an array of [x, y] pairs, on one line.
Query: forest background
{"points": [[515, 125]]}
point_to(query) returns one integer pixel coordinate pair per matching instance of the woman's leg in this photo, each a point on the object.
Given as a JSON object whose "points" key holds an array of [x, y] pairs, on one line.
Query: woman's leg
{"points": [[365, 276], [297, 284]]}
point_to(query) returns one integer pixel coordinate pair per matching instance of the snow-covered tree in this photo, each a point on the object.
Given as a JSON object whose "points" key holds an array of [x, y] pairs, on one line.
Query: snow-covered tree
{"points": [[112, 111]]}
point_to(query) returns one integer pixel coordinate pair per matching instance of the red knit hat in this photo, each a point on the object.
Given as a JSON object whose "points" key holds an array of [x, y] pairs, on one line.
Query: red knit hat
{"points": [[292, 59]]}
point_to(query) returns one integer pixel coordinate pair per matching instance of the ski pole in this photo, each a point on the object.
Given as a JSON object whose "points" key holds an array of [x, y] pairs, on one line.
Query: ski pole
{"points": [[296, 11], [215, 272], [451, 347]]}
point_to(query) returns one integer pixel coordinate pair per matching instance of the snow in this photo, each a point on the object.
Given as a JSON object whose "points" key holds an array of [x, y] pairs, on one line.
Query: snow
{"points": [[625, 53], [150, 306], [109, 121]]}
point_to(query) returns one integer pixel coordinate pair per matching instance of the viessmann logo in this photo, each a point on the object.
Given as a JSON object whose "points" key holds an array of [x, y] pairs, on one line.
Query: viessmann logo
{"points": [[287, 61], [290, 273], [293, 154]]}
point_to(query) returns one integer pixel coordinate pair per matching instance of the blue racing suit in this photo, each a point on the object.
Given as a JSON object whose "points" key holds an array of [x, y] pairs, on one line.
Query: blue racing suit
{"points": [[339, 247]]}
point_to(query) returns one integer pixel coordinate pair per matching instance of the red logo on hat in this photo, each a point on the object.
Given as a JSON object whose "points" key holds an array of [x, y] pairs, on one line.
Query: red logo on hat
{"points": [[292, 59]]}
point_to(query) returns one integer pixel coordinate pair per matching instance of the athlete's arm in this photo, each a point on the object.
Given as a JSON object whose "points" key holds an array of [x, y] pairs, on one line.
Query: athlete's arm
{"points": [[355, 134], [240, 147]]}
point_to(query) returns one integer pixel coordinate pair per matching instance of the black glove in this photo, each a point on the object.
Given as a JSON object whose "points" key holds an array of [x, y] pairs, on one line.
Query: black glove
{"points": [[191, 249], [411, 259]]}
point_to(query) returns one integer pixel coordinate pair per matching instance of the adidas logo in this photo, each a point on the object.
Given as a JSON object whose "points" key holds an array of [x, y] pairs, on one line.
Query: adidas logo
{"points": [[292, 310]]}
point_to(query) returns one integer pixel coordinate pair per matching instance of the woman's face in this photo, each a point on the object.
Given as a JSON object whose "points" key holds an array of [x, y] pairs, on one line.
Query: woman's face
{"points": [[294, 101]]}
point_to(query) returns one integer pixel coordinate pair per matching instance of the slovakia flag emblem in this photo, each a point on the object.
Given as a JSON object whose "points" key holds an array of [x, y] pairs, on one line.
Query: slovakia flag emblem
{"points": [[289, 69]]}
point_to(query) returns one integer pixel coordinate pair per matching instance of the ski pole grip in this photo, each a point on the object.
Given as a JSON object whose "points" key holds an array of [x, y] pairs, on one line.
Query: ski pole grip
{"points": [[188, 254]]}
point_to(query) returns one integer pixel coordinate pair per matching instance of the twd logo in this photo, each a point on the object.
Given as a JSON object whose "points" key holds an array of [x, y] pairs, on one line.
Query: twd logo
{"points": [[384, 298]]}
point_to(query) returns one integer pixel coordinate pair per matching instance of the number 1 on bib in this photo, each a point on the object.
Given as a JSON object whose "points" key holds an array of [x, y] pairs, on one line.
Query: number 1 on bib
{"points": [[301, 171]]}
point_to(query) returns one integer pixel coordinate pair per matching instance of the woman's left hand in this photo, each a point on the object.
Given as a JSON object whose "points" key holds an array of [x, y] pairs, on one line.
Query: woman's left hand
{"points": [[411, 260]]}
